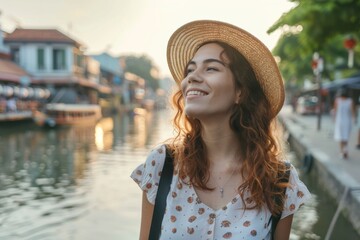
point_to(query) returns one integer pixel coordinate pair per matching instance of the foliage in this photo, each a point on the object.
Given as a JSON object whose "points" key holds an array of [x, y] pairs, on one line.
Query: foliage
{"points": [[316, 26], [142, 66]]}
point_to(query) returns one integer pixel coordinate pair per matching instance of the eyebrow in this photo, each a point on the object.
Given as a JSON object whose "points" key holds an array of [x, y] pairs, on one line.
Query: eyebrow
{"points": [[209, 60]]}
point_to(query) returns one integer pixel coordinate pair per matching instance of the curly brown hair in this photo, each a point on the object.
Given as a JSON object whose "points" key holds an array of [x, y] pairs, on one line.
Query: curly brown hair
{"points": [[253, 124]]}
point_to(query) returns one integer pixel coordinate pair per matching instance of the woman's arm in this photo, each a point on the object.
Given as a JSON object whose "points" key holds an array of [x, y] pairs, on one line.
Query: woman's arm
{"points": [[147, 210], [283, 228]]}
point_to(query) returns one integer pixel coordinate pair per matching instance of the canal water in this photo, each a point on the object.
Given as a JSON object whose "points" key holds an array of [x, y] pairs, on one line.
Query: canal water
{"points": [[73, 183]]}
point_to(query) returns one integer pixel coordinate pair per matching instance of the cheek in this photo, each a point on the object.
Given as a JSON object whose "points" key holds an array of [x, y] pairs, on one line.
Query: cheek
{"points": [[226, 90]]}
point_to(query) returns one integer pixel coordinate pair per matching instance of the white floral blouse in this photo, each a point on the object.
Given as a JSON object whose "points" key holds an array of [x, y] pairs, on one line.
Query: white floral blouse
{"points": [[186, 217]]}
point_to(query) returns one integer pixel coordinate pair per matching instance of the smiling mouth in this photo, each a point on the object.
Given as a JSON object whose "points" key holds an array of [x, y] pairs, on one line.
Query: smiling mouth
{"points": [[196, 93]]}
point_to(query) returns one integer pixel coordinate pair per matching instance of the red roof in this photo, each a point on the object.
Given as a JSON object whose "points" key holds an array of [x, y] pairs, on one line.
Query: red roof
{"points": [[39, 35], [10, 71]]}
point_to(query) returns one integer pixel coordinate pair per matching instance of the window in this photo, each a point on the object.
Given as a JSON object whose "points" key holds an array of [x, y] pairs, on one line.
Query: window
{"points": [[59, 59], [41, 59], [15, 54]]}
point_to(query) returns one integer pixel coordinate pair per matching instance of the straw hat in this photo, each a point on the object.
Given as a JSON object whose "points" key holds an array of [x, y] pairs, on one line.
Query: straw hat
{"points": [[186, 40]]}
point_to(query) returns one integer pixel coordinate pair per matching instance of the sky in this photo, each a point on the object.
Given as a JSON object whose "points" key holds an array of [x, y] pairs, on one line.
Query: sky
{"points": [[138, 27]]}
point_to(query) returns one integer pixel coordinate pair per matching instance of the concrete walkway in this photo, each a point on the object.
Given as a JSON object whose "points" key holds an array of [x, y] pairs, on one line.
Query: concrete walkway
{"points": [[334, 173]]}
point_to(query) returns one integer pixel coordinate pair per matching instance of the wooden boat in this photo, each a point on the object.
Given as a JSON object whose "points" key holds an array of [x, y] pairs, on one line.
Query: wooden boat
{"points": [[61, 114], [15, 116]]}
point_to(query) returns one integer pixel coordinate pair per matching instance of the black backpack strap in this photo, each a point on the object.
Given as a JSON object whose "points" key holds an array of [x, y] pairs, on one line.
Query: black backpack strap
{"points": [[161, 195], [276, 218]]}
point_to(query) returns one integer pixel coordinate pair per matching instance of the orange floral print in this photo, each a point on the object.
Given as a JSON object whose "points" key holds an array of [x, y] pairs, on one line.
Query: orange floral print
{"points": [[247, 224], [212, 215], [300, 194], [192, 218], [292, 207], [225, 223], [201, 210], [227, 235]]}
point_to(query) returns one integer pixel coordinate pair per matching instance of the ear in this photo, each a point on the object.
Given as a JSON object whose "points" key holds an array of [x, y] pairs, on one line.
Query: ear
{"points": [[237, 96]]}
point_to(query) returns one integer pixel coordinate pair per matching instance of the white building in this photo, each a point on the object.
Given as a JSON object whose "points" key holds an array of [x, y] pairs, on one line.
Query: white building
{"points": [[46, 53], [55, 60]]}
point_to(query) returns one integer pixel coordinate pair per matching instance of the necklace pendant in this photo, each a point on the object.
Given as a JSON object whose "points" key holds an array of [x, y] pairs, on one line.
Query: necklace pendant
{"points": [[222, 192]]}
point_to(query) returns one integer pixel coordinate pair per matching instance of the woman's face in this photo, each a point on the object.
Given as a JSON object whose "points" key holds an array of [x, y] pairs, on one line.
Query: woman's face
{"points": [[209, 88]]}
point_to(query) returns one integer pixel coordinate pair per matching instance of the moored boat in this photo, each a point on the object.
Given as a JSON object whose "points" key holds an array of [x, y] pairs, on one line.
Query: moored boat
{"points": [[15, 116], [61, 114]]}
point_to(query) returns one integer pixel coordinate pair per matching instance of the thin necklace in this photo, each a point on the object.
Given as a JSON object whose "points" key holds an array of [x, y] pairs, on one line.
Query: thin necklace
{"points": [[222, 187]]}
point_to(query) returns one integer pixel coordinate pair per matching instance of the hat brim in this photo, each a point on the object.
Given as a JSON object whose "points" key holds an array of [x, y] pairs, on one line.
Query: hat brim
{"points": [[185, 41]]}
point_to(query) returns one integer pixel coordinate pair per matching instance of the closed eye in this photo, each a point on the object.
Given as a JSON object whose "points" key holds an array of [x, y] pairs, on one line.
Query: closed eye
{"points": [[189, 70], [212, 69]]}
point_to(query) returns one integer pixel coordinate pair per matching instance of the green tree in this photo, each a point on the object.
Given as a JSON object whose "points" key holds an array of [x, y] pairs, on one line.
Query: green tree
{"points": [[316, 26], [143, 67]]}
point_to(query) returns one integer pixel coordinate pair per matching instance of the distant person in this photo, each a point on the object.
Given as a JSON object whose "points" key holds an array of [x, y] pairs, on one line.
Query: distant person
{"points": [[3, 104], [344, 115], [11, 105], [226, 156]]}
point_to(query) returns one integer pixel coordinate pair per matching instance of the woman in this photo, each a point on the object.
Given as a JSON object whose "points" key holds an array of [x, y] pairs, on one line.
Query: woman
{"points": [[344, 112], [226, 158]]}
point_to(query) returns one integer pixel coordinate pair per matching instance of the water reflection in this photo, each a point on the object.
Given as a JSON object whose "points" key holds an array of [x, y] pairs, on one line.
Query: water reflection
{"points": [[39, 172], [46, 175], [104, 134], [74, 183], [313, 221]]}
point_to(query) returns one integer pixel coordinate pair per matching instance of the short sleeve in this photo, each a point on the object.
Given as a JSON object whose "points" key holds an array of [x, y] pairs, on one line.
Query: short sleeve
{"points": [[147, 175], [296, 194]]}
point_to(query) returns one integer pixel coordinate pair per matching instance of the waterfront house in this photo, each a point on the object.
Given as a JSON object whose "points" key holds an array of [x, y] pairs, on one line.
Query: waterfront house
{"points": [[111, 74], [17, 98], [55, 61]]}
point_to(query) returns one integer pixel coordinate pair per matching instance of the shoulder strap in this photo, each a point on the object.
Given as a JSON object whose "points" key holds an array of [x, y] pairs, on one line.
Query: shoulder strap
{"points": [[276, 218], [162, 193]]}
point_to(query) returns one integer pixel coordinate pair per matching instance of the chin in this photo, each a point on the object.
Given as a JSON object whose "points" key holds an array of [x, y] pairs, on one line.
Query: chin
{"points": [[192, 113]]}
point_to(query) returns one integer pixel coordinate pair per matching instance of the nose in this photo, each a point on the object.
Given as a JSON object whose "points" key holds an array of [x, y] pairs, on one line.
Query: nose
{"points": [[194, 76]]}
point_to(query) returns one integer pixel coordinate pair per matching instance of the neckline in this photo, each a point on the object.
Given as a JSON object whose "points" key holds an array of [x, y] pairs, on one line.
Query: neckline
{"points": [[216, 211]]}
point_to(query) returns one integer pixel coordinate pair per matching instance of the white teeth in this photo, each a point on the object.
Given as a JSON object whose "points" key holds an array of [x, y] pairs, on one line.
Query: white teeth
{"points": [[197, 93]]}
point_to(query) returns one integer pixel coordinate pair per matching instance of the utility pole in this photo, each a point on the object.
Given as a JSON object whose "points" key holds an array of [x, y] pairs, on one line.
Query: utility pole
{"points": [[318, 66]]}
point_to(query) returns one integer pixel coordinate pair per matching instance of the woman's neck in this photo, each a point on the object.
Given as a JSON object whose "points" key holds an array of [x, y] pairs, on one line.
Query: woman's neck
{"points": [[222, 144]]}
